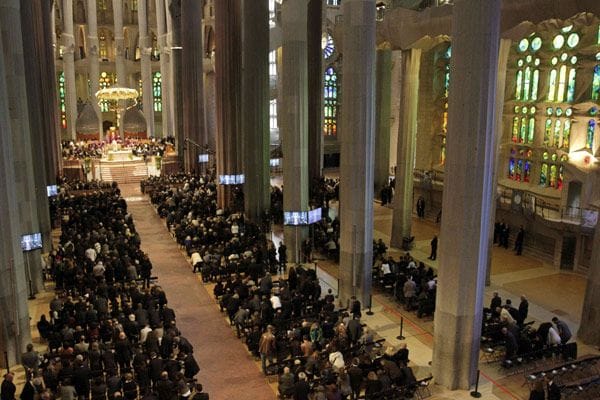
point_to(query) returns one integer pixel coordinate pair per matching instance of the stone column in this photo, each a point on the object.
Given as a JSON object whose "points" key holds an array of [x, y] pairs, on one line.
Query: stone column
{"points": [[69, 68], [383, 104], [293, 118], [228, 90], [34, 57], [193, 81], [407, 137], [468, 205], [165, 69], [18, 135], [174, 22], [119, 55], [93, 64], [14, 313], [590, 315], [503, 54], [146, 66], [255, 107], [315, 90], [357, 137]]}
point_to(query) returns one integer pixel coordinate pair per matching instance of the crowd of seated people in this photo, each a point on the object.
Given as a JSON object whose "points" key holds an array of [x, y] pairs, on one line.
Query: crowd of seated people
{"points": [[96, 149], [504, 327], [414, 286], [296, 331], [111, 333]]}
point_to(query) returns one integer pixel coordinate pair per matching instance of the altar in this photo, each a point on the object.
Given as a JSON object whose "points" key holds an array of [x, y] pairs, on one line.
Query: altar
{"points": [[121, 155]]}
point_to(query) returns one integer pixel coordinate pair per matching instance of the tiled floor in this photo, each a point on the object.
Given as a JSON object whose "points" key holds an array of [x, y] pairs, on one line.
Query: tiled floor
{"points": [[225, 363]]}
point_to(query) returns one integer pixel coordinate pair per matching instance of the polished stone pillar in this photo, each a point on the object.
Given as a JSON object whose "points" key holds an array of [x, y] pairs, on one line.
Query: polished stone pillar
{"points": [[165, 72], [407, 137], [24, 150], [93, 64], [193, 81], [590, 315], [503, 54], [383, 104], [120, 55], [174, 22], [255, 107], [69, 68], [357, 137], [468, 204], [14, 313], [34, 57], [146, 66], [315, 89], [293, 119], [228, 89]]}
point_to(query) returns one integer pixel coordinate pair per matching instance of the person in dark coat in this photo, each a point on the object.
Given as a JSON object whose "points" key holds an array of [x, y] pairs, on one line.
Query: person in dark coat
{"points": [[165, 388], [301, 388], [523, 310], [537, 393], [434, 246], [519, 241], [355, 373]]}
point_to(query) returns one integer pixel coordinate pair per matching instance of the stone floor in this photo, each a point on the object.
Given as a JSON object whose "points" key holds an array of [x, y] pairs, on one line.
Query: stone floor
{"points": [[229, 372]]}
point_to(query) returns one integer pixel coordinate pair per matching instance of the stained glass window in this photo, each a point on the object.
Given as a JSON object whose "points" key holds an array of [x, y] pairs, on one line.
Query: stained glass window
{"points": [[562, 79], [330, 97], [61, 100], [519, 166], [589, 137], [106, 81], [443, 152], [273, 63], [327, 45], [528, 74], [557, 129], [157, 91], [596, 82], [523, 127], [273, 114]]}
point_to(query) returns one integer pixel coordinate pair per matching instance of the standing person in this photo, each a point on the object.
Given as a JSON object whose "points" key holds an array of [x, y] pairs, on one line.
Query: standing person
{"points": [[505, 235], [523, 310], [434, 246], [8, 388], [519, 241], [267, 348], [355, 308], [563, 330], [537, 393], [421, 207], [282, 251]]}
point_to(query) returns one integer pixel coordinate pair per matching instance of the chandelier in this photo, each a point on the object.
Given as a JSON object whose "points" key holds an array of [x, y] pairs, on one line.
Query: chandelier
{"points": [[115, 94]]}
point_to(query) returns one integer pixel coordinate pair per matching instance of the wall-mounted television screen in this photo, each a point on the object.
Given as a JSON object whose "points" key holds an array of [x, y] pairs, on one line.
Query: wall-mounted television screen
{"points": [[32, 241], [314, 216], [295, 218], [52, 190], [202, 158]]}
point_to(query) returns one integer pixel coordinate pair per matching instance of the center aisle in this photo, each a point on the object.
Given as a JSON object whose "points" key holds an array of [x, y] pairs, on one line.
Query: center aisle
{"points": [[227, 371]]}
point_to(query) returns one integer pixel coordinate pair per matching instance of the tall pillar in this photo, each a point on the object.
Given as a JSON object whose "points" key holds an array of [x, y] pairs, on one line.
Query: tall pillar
{"points": [[315, 90], [146, 66], [69, 68], [165, 72], [174, 22], [503, 53], [383, 104], [228, 89], [94, 66], [119, 55], [23, 267], [255, 107], [293, 118], [14, 314], [193, 81], [407, 137], [468, 205], [590, 315], [357, 150], [33, 56]]}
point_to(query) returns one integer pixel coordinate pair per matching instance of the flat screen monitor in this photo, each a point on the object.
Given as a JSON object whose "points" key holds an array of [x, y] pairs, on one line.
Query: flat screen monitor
{"points": [[32, 241], [52, 190], [275, 162], [202, 158], [295, 218], [240, 179], [226, 179], [314, 216]]}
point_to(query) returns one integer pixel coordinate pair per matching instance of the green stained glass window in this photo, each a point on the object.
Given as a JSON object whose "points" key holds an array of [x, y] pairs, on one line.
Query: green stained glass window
{"points": [[330, 101], [566, 137], [531, 133], [515, 129], [558, 42], [548, 132], [61, 100], [157, 91], [552, 85], [596, 83], [536, 44], [557, 130], [544, 174]]}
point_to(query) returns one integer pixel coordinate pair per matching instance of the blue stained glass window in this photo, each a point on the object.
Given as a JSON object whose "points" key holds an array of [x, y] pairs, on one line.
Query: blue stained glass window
{"points": [[330, 102]]}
